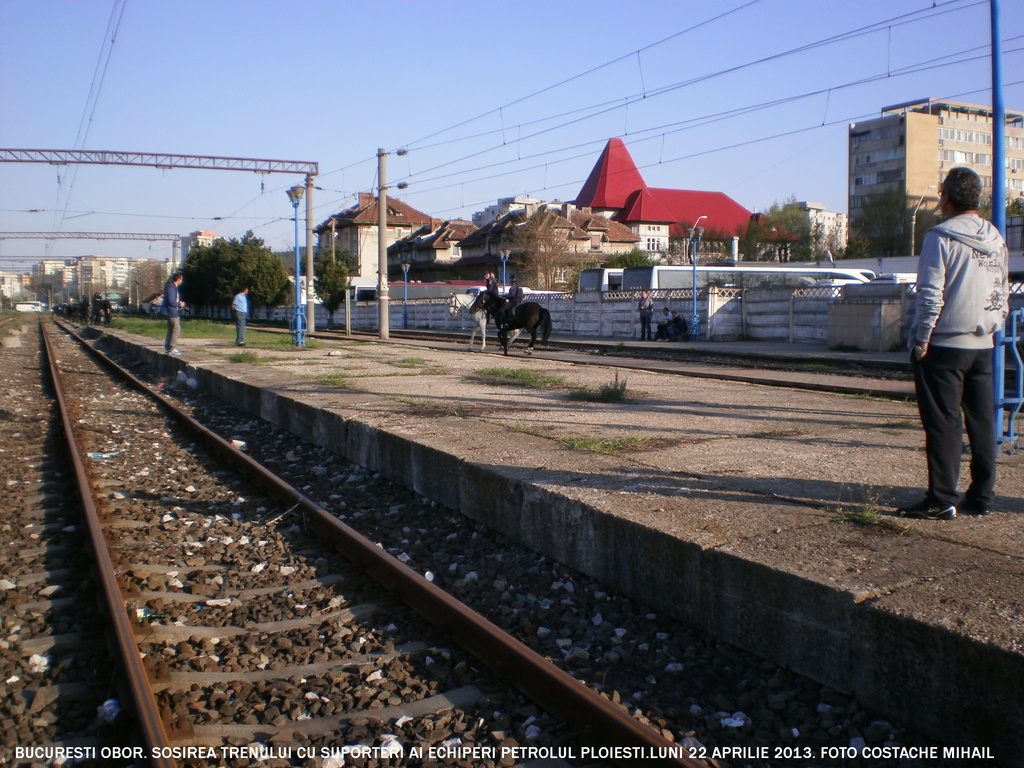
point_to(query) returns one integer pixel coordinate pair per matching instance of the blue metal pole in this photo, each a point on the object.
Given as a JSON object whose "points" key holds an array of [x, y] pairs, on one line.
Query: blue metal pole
{"points": [[998, 200], [405, 298]]}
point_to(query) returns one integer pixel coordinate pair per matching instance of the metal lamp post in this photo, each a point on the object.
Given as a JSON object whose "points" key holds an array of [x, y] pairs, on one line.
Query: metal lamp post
{"points": [[504, 265], [298, 325], [913, 219], [405, 297], [695, 235]]}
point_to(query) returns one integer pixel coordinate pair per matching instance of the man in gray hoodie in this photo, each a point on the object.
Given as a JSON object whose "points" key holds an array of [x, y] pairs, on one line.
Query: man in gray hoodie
{"points": [[962, 300]]}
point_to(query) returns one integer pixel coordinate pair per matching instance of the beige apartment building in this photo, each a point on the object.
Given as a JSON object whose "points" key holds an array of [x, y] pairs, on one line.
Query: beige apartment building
{"points": [[912, 146]]}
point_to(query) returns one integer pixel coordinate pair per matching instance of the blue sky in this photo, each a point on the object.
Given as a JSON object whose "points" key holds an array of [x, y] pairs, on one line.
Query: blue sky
{"points": [[749, 97]]}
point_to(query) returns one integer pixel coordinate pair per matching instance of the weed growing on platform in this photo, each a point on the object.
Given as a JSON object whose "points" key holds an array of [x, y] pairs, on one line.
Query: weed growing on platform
{"points": [[865, 514], [244, 357], [612, 392], [612, 446], [433, 407], [339, 380], [407, 362], [521, 376], [778, 432]]}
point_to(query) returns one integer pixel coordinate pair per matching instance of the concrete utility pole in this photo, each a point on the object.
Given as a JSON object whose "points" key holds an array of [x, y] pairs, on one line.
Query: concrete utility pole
{"points": [[382, 247], [310, 306]]}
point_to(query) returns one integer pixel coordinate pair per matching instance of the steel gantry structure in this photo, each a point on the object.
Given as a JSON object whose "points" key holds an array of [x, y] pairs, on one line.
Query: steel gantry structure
{"points": [[175, 240], [203, 162]]}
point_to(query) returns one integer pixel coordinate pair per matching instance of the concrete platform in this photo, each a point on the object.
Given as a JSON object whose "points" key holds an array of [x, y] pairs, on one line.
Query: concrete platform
{"points": [[734, 514]]}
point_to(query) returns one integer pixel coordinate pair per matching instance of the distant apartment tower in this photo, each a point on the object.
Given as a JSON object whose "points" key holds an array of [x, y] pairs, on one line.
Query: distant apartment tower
{"points": [[912, 146], [190, 241], [505, 205], [829, 229]]}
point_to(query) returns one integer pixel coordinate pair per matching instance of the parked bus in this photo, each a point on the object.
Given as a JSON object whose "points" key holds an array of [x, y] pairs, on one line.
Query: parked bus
{"points": [[601, 279], [29, 306], [741, 276]]}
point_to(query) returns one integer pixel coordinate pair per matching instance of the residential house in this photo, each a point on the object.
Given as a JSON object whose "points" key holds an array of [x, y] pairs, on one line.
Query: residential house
{"points": [[355, 230], [431, 251], [571, 235]]}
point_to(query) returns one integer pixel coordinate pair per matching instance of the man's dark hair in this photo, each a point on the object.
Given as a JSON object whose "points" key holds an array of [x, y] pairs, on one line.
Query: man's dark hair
{"points": [[962, 188], [175, 277]]}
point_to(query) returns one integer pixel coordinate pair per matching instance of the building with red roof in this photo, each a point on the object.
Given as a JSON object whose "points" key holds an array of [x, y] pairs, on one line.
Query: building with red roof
{"points": [[616, 189]]}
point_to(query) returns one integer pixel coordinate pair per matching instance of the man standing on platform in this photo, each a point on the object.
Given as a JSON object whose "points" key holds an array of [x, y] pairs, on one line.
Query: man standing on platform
{"points": [[962, 300], [240, 307], [171, 308]]}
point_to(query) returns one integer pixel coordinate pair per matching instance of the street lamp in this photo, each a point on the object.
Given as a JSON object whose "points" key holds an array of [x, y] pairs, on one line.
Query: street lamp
{"points": [[504, 265], [913, 219], [695, 235], [405, 298], [298, 325]]}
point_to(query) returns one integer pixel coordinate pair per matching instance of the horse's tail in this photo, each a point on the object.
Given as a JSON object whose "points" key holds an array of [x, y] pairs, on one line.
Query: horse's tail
{"points": [[545, 321]]}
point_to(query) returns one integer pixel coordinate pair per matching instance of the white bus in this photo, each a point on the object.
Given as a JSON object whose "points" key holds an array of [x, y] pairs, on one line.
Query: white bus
{"points": [[29, 306], [602, 279], [656, 278]]}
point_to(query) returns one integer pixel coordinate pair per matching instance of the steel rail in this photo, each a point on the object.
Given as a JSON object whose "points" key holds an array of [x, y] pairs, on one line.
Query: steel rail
{"points": [[539, 679], [136, 678]]}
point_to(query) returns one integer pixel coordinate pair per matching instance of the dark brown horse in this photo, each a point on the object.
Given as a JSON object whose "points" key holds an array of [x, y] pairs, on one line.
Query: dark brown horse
{"points": [[529, 316]]}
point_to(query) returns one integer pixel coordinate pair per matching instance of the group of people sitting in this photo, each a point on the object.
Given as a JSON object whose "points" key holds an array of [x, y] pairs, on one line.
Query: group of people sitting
{"points": [[671, 327]]}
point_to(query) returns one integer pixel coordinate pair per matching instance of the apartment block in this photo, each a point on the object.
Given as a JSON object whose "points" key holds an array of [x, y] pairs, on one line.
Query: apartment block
{"points": [[912, 146]]}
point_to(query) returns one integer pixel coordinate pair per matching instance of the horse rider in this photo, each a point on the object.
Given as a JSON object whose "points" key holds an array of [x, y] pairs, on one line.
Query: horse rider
{"points": [[513, 299], [491, 284]]}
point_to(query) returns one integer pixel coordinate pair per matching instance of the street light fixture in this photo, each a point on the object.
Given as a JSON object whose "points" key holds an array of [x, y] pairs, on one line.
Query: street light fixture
{"points": [[405, 298], [504, 265], [298, 325], [913, 219], [695, 235]]}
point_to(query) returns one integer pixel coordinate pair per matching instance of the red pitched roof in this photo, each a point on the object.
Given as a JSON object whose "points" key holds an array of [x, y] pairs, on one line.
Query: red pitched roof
{"points": [[615, 182], [645, 205], [613, 179], [724, 215]]}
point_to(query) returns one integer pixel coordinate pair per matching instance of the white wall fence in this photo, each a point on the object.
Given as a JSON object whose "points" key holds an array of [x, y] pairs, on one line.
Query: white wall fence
{"points": [[871, 316]]}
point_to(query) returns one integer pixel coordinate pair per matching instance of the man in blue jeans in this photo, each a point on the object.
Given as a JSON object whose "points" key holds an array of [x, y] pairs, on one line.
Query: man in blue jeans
{"points": [[240, 308], [962, 300], [171, 308]]}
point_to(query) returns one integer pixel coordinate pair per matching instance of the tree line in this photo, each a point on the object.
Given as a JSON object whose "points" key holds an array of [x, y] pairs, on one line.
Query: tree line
{"points": [[214, 273]]}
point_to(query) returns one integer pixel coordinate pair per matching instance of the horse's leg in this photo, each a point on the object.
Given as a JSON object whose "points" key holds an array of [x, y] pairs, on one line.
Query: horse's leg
{"points": [[533, 338]]}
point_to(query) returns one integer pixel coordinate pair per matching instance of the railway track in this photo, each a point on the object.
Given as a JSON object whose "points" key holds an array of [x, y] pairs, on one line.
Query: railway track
{"points": [[249, 623]]}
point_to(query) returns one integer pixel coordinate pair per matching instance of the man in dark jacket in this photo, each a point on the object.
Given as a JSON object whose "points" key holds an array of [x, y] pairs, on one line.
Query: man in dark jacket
{"points": [[171, 308], [513, 299]]}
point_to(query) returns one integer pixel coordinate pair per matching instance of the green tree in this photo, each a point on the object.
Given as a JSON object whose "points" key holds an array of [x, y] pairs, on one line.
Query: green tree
{"points": [[1014, 206], [214, 273], [331, 280], [634, 258], [788, 224], [883, 221]]}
